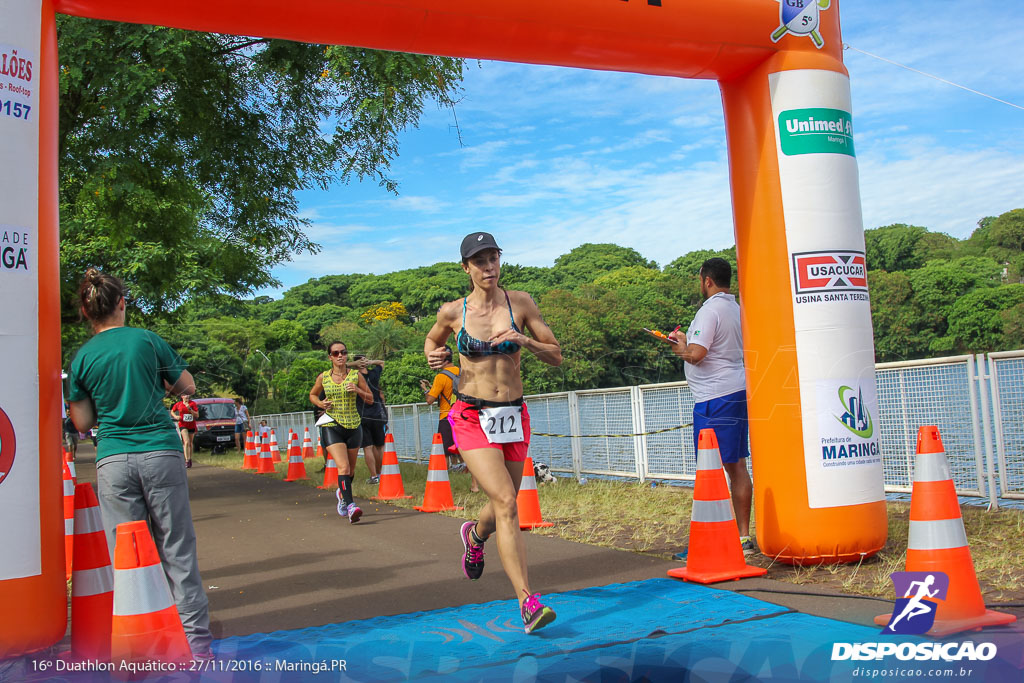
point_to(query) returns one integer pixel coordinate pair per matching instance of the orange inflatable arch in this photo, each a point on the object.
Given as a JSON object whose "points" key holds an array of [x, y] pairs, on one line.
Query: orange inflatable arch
{"points": [[796, 204]]}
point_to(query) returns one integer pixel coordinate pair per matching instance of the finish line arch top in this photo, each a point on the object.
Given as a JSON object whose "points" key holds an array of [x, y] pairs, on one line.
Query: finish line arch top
{"points": [[796, 204]]}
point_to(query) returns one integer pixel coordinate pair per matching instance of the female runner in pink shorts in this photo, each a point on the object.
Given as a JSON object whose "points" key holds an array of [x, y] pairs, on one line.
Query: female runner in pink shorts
{"points": [[490, 422]]}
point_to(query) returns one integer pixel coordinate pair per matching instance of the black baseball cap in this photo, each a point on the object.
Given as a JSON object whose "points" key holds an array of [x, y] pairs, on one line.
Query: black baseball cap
{"points": [[477, 242]]}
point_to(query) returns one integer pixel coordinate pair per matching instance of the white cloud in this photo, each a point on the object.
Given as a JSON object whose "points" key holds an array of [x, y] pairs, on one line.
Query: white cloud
{"points": [[413, 203], [557, 157]]}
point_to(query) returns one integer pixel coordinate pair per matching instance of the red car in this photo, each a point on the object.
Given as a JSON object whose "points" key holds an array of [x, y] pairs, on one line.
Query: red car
{"points": [[215, 428]]}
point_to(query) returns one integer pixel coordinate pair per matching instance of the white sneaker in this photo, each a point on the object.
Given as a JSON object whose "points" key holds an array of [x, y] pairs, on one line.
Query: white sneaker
{"points": [[342, 508]]}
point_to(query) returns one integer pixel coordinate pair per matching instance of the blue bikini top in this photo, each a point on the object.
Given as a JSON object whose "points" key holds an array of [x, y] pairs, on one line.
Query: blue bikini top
{"points": [[471, 347]]}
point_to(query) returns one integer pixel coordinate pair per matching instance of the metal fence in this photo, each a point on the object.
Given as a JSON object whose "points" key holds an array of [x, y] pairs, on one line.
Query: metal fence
{"points": [[977, 402]]}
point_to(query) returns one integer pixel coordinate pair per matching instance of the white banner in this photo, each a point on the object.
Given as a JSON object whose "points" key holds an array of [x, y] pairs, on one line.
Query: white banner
{"points": [[19, 284], [828, 276]]}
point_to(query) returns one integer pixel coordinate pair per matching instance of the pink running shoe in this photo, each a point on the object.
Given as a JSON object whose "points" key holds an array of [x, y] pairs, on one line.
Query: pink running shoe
{"points": [[354, 513], [473, 557], [536, 615]]}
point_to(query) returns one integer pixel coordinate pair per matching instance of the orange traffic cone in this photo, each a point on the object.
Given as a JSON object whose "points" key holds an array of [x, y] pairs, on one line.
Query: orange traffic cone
{"points": [[296, 468], [146, 625], [391, 486], [528, 501], [275, 452], [307, 445], [319, 446], [714, 553], [251, 461], [438, 494], [69, 518], [938, 543], [330, 475], [67, 455], [70, 464], [266, 464], [92, 581]]}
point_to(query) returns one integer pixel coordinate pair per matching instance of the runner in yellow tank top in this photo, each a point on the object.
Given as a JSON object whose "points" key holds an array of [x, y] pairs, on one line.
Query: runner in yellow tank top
{"points": [[342, 387], [343, 402]]}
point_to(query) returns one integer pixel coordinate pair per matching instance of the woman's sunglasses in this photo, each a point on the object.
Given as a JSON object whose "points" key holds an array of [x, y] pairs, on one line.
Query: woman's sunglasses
{"points": [[335, 354]]}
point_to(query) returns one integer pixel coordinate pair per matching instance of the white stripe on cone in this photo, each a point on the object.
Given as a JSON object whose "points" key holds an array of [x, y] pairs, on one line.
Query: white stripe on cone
{"points": [[931, 467], [142, 590], [88, 521], [711, 511], [940, 534], [709, 459], [86, 582]]}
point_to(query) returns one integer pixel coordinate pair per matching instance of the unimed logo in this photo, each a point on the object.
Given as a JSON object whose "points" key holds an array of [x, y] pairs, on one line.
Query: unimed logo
{"points": [[829, 271], [816, 130]]}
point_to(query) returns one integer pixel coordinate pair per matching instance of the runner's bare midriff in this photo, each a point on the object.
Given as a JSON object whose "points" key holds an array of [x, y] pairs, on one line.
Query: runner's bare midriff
{"points": [[492, 378]]}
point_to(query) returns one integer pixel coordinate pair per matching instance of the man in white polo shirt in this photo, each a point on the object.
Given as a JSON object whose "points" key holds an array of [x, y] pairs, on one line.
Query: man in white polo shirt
{"points": [[713, 353]]}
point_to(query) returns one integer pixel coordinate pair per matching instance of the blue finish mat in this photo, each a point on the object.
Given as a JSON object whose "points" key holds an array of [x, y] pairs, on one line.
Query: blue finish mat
{"points": [[449, 640], [654, 630]]}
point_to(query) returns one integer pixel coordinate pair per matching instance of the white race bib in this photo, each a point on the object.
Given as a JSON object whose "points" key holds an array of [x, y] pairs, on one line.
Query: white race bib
{"points": [[188, 417], [503, 424]]}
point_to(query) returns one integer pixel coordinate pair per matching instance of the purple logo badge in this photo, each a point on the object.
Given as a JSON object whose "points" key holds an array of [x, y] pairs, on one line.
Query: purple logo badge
{"points": [[919, 593]]}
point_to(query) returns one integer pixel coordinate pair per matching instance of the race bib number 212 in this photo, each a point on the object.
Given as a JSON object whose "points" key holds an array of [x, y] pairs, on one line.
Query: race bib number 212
{"points": [[503, 424]]}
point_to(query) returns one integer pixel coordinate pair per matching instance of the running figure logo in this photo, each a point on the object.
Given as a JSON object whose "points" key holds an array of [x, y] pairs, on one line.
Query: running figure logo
{"points": [[800, 17], [914, 613]]}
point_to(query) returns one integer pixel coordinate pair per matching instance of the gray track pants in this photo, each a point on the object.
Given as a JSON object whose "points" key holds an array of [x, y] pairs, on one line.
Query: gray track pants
{"points": [[153, 487]]}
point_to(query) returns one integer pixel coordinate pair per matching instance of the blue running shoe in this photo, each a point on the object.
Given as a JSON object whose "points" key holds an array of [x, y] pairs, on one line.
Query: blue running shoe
{"points": [[536, 615], [473, 557], [342, 508]]}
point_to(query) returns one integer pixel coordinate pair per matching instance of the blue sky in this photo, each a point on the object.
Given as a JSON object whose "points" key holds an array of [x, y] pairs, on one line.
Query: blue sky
{"points": [[552, 158]]}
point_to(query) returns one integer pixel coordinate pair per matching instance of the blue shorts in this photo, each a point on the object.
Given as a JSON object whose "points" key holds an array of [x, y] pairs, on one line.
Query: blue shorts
{"points": [[727, 415], [239, 428]]}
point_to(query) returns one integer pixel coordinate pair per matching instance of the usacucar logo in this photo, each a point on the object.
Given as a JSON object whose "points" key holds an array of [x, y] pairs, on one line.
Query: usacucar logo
{"points": [[829, 271], [8, 445]]}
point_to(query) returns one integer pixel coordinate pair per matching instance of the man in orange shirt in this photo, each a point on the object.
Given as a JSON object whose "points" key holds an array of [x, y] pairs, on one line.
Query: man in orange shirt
{"points": [[444, 391]]}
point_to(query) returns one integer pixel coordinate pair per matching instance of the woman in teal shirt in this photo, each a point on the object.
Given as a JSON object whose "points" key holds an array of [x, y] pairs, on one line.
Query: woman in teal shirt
{"points": [[119, 379]]}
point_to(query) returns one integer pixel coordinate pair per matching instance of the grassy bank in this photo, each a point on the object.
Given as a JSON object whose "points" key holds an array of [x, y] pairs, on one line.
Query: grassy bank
{"points": [[655, 521]]}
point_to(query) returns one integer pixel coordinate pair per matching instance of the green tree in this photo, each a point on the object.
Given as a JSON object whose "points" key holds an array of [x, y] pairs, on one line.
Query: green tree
{"points": [[286, 334], [899, 326], [402, 375], [588, 261], [385, 337], [316, 318], [371, 291], [939, 284], [975, 322], [688, 265], [293, 382], [530, 279], [182, 152], [894, 247], [936, 246]]}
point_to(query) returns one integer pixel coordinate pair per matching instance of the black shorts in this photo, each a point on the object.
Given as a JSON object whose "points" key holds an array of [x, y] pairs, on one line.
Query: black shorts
{"points": [[444, 428], [373, 432], [352, 437]]}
